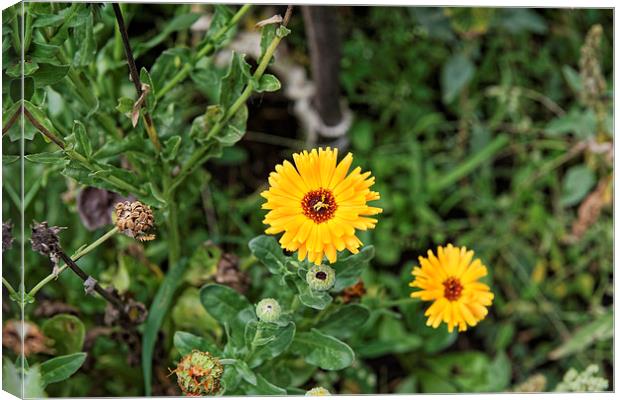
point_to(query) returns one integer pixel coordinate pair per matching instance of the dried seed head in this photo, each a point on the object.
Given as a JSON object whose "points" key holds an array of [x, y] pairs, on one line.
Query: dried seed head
{"points": [[135, 220], [45, 240], [318, 391], [33, 339], [321, 277], [7, 237], [199, 374], [268, 310]]}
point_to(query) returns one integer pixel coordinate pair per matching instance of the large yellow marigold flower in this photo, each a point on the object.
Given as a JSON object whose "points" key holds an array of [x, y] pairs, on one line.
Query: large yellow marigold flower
{"points": [[318, 206], [450, 281]]}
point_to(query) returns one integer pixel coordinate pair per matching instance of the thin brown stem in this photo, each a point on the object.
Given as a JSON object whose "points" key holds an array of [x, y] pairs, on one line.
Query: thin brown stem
{"points": [[135, 76], [43, 129], [109, 297], [12, 120]]}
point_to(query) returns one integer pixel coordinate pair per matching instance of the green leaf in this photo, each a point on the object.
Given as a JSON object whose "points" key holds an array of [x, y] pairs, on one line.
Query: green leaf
{"points": [[145, 77], [268, 83], [82, 141], [600, 329], [235, 80], [223, 302], [171, 148], [178, 23], [157, 312], [12, 380], [167, 64], [270, 341], [185, 342], [245, 372], [49, 74], [221, 17], [269, 252], [15, 70], [310, 298], [576, 184], [345, 321], [85, 54], [349, 269], [60, 368], [47, 157], [572, 78], [230, 308], [234, 129], [455, 75], [67, 332], [322, 350], [267, 34], [264, 388]]}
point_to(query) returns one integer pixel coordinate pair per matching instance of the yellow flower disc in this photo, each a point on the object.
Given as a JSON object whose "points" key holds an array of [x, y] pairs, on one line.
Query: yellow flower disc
{"points": [[450, 281], [318, 206]]}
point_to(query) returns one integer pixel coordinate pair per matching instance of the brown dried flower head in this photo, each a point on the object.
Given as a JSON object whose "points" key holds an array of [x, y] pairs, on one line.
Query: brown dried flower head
{"points": [[353, 292], [135, 220], [592, 80], [45, 240], [34, 340]]}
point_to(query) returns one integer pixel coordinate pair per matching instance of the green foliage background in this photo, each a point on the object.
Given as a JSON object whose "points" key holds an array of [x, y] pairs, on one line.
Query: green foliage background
{"points": [[468, 118]]}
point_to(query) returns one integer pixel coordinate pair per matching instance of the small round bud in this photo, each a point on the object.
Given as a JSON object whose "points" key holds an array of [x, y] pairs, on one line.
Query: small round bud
{"points": [[318, 391], [321, 277], [135, 220], [268, 310], [199, 374]]}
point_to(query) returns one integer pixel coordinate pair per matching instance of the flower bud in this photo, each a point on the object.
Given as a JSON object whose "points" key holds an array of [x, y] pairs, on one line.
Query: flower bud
{"points": [[318, 391], [199, 374], [135, 220], [321, 277], [268, 310]]}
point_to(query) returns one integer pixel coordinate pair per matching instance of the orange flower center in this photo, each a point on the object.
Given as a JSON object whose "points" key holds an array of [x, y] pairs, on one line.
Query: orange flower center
{"points": [[452, 289], [319, 205]]}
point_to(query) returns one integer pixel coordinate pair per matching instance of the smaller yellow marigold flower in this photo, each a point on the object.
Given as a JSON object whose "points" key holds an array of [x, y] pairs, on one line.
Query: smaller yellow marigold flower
{"points": [[450, 281], [318, 391]]}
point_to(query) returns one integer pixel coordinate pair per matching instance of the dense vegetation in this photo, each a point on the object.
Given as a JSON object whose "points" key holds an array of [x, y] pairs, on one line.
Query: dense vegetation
{"points": [[485, 128]]}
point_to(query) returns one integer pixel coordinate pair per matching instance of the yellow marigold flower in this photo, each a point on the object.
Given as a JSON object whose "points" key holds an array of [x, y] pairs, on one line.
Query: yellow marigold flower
{"points": [[450, 281], [318, 206]]}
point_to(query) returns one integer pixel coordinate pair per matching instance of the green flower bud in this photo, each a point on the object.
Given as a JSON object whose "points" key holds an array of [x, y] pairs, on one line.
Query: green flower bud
{"points": [[199, 374], [268, 310], [318, 391], [321, 277]]}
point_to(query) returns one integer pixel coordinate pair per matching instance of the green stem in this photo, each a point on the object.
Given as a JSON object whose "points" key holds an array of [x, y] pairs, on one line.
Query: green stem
{"points": [[174, 242], [207, 49], [76, 256], [8, 287], [196, 157]]}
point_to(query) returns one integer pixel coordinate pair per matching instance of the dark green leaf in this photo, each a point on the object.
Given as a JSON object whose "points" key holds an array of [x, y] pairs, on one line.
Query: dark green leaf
{"points": [[185, 342], [576, 184], [235, 80], [269, 252], [455, 75], [265, 388], [157, 312], [349, 269], [178, 23], [60, 368], [270, 341], [171, 148], [345, 321], [46, 158], [322, 350], [234, 129], [67, 332], [245, 372]]}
